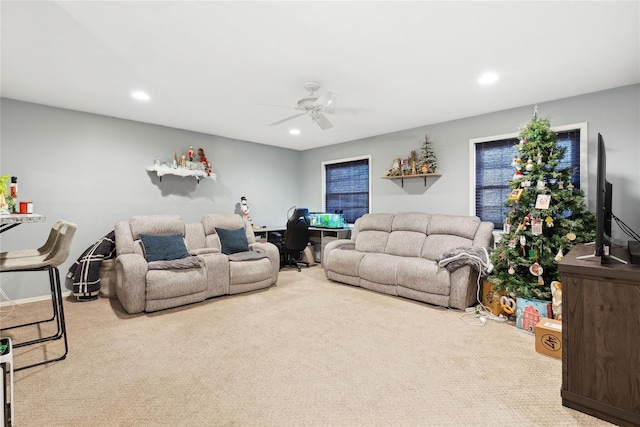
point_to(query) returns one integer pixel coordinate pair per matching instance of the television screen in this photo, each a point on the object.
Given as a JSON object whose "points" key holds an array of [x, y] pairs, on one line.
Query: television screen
{"points": [[603, 203]]}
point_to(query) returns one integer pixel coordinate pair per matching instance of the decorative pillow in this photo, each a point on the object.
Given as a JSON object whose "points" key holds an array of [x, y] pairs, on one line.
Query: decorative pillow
{"points": [[232, 241], [165, 247]]}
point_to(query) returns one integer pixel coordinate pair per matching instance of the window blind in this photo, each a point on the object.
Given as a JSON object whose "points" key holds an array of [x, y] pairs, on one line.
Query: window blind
{"points": [[347, 188], [494, 171]]}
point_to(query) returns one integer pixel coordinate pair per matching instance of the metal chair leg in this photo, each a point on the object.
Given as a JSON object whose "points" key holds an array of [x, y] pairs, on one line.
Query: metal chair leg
{"points": [[58, 316]]}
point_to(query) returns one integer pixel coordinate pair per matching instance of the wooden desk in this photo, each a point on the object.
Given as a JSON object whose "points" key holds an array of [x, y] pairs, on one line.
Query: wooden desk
{"points": [[7, 222], [317, 235], [601, 337]]}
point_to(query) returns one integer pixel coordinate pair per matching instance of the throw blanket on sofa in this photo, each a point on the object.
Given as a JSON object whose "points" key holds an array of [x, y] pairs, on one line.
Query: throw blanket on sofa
{"points": [[476, 257], [85, 272]]}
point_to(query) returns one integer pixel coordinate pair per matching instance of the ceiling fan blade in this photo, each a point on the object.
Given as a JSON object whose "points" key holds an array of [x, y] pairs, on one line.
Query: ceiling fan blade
{"points": [[287, 119], [326, 99], [322, 121]]}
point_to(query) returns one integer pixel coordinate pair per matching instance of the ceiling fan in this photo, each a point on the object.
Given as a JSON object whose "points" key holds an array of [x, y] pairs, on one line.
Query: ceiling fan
{"points": [[314, 106]]}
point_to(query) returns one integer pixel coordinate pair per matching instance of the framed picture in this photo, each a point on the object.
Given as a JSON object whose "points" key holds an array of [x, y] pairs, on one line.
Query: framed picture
{"points": [[516, 194], [543, 201]]}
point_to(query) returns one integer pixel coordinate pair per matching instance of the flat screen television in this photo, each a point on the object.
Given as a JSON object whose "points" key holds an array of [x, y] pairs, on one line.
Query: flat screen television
{"points": [[603, 203]]}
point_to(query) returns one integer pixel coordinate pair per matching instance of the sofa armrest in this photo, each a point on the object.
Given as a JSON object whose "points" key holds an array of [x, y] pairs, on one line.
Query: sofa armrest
{"points": [[124, 238], [131, 282], [484, 235], [341, 244], [274, 257]]}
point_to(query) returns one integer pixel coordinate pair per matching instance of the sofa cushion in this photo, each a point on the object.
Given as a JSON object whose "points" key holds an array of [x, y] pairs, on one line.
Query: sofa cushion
{"points": [[405, 243], [423, 275], [163, 284], [346, 262], [165, 247], [232, 241], [379, 268], [437, 244], [372, 241], [156, 224], [411, 221], [453, 225], [228, 221], [379, 222]]}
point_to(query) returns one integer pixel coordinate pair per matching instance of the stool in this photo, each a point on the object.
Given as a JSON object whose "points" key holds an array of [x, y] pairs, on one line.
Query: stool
{"points": [[58, 250], [6, 358]]}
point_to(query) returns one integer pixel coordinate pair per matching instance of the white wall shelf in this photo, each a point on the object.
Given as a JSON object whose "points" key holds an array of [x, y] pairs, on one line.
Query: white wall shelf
{"points": [[423, 175], [184, 172]]}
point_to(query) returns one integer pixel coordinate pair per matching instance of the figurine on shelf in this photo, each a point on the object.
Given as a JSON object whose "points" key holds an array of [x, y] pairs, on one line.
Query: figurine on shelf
{"points": [[183, 161], [244, 209], [201, 156], [203, 160], [190, 154]]}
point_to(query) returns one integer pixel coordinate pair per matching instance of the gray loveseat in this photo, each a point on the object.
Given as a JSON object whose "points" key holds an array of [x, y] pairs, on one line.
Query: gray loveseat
{"points": [[397, 254], [203, 272]]}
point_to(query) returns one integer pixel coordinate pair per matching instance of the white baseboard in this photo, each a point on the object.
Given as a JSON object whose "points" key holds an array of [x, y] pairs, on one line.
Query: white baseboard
{"points": [[65, 294]]}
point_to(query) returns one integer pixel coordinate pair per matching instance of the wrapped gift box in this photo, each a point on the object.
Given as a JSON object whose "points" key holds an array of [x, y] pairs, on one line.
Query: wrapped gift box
{"points": [[529, 311]]}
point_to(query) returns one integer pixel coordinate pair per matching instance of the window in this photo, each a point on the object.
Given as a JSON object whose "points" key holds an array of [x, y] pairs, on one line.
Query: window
{"points": [[346, 187], [491, 162]]}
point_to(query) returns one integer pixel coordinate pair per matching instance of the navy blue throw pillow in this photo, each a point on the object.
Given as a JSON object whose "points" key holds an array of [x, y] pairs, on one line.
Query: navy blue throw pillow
{"points": [[233, 241], [165, 247]]}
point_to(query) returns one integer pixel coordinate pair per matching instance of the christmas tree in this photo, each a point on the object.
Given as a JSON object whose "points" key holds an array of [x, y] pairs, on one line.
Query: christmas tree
{"points": [[429, 162], [547, 216]]}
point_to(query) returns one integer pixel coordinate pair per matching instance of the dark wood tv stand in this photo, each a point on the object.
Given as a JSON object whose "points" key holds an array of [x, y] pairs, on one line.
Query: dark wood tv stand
{"points": [[601, 336]]}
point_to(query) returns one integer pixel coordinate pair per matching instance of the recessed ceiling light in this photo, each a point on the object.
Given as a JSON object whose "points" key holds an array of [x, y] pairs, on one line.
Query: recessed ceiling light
{"points": [[488, 78], [140, 95], [294, 131]]}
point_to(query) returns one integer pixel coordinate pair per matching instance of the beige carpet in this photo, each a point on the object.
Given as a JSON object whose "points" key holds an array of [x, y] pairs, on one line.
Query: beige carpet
{"points": [[307, 352]]}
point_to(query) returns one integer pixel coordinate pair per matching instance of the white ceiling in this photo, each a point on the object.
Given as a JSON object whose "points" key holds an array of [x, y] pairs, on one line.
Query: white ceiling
{"points": [[208, 65]]}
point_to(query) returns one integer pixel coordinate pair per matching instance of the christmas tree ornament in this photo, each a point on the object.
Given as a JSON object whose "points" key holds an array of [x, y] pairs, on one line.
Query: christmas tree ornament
{"points": [[540, 185], [549, 221], [540, 281], [559, 256], [539, 158], [529, 166], [511, 270], [536, 269], [571, 236], [536, 226], [518, 175], [560, 185]]}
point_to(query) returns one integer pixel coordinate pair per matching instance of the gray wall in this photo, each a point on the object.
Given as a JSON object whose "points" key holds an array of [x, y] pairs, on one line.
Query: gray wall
{"points": [[90, 169], [615, 113]]}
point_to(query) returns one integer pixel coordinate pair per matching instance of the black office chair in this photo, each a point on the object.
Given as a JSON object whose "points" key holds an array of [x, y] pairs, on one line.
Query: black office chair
{"points": [[296, 238]]}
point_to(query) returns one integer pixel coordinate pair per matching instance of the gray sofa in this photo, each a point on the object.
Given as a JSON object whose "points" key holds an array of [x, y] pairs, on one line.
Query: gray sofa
{"points": [[397, 254], [204, 272]]}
